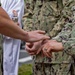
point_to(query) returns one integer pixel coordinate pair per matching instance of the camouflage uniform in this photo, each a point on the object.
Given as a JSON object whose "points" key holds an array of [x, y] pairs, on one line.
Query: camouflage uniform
{"points": [[57, 18]]}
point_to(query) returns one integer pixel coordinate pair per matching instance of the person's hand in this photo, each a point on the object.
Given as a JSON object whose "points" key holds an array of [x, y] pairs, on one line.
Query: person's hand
{"points": [[51, 46], [34, 48], [34, 36]]}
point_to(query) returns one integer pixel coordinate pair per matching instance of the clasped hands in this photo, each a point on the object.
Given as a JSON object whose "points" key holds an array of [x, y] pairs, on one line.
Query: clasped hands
{"points": [[46, 47]]}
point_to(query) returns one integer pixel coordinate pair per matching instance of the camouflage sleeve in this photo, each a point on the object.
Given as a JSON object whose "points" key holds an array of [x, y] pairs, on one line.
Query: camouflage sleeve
{"points": [[67, 37], [27, 18]]}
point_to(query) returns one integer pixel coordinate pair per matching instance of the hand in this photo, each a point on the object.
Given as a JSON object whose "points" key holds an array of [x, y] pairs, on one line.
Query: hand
{"points": [[51, 46], [34, 36], [34, 48]]}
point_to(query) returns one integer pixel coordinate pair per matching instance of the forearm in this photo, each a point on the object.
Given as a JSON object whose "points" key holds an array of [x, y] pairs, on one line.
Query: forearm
{"points": [[13, 34], [57, 46], [67, 38], [54, 45], [6, 24], [12, 30]]}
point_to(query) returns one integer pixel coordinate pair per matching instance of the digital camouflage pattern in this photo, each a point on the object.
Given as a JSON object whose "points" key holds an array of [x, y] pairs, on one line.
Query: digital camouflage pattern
{"points": [[57, 18]]}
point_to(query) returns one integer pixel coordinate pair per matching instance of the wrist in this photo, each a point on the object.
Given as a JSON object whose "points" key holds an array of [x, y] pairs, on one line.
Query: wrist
{"points": [[25, 36], [58, 46], [61, 46]]}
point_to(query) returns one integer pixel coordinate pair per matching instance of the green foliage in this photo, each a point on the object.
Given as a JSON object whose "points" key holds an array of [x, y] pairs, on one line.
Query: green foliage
{"points": [[25, 69]]}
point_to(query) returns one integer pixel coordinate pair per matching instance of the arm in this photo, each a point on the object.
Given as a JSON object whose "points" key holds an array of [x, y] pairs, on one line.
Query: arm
{"points": [[51, 46], [6, 24], [66, 42], [67, 38]]}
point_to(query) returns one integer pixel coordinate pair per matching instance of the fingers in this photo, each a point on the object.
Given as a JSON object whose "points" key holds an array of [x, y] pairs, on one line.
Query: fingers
{"points": [[40, 31], [45, 37], [35, 36], [47, 50], [32, 53], [42, 37], [34, 49], [39, 50], [29, 47], [44, 41], [49, 55]]}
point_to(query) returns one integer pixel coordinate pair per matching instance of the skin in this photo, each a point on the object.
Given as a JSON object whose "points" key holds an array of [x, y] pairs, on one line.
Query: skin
{"points": [[34, 48], [49, 45], [9, 28]]}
